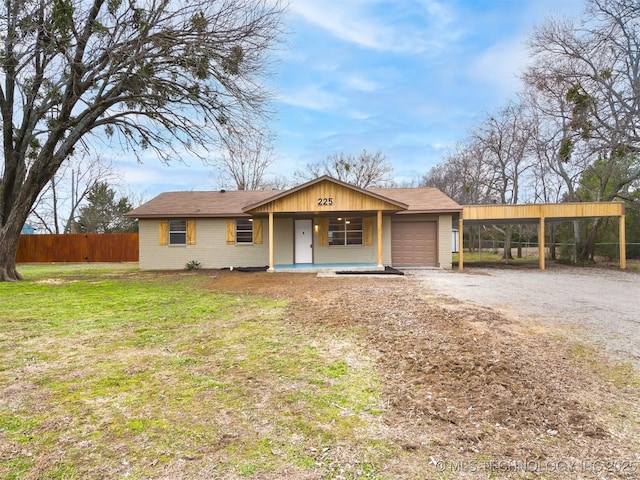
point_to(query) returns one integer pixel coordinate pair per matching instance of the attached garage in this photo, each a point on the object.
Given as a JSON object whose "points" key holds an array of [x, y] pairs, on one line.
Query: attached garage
{"points": [[414, 243]]}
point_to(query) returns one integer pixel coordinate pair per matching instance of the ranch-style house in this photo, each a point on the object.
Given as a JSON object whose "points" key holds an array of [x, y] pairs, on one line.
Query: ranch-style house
{"points": [[322, 223]]}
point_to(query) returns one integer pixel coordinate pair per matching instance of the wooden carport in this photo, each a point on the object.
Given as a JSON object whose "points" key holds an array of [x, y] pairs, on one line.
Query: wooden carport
{"points": [[534, 213]]}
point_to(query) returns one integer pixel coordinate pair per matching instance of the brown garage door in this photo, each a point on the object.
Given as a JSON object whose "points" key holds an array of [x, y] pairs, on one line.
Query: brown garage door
{"points": [[413, 244]]}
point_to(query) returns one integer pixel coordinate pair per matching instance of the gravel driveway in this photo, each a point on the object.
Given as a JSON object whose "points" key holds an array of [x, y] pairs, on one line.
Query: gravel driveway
{"points": [[598, 306]]}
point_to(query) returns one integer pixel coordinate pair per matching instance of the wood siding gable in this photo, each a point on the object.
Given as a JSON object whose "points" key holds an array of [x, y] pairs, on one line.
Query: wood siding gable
{"points": [[327, 196]]}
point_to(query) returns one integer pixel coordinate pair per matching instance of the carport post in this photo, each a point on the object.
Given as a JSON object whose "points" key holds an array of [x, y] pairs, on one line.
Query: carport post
{"points": [[380, 238], [541, 253], [460, 243], [623, 242], [271, 255]]}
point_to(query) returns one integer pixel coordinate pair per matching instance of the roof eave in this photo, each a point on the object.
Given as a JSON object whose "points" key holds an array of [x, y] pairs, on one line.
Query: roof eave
{"points": [[188, 215], [431, 211]]}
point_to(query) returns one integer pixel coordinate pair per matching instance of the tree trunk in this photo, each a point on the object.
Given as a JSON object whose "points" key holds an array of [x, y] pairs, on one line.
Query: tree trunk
{"points": [[589, 250], [576, 240], [9, 240], [507, 244], [13, 221], [472, 239]]}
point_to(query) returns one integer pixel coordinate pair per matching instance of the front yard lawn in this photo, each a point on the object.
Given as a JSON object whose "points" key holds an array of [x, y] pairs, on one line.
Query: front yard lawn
{"points": [[107, 372], [110, 373]]}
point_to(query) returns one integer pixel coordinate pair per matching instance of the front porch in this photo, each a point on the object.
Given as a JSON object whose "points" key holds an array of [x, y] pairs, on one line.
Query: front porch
{"points": [[328, 267]]}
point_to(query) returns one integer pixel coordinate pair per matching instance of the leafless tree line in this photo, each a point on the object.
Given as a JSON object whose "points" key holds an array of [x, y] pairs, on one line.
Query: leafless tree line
{"points": [[573, 132]]}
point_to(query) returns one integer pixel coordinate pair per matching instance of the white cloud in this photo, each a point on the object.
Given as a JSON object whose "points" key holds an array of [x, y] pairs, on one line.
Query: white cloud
{"points": [[358, 115], [361, 84], [342, 20], [312, 97], [500, 64], [439, 11], [424, 26]]}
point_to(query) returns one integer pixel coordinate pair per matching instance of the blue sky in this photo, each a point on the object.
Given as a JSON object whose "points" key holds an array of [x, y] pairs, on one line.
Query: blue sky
{"points": [[406, 77]]}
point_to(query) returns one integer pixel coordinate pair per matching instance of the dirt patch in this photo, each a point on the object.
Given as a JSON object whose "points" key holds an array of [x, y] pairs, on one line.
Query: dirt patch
{"points": [[464, 383]]}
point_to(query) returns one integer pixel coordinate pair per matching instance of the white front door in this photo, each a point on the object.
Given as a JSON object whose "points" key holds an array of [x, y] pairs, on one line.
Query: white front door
{"points": [[303, 241]]}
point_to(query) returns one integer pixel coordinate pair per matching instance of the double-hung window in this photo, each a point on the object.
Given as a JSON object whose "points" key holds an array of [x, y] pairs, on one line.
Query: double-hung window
{"points": [[177, 232], [244, 230], [345, 231]]}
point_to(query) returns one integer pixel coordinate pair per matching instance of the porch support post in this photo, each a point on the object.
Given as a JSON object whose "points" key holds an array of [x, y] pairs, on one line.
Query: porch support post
{"points": [[623, 241], [271, 255], [460, 243], [541, 253], [380, 238]]}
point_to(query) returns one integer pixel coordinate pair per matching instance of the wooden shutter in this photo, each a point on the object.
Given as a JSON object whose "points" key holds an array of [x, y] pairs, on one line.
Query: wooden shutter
{"points": [[323, 232], [231, 231], [367, 231], [257, 230], [163, 232], [191, 232]]}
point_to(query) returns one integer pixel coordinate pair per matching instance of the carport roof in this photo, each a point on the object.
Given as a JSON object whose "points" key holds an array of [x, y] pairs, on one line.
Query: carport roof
{"points": [[532, 213]]}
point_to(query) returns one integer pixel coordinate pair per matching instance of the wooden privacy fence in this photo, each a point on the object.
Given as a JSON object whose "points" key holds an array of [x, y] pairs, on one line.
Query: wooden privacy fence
{"points": [[78, 247]]}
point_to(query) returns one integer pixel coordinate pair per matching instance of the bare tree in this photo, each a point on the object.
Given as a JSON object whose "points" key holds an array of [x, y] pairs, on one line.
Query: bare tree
{"points": [[56, 208], [561, 153], [277, 182], [363, 170], [594, 62], [173, 77], [504, 141], [464, 175], [246, 160]]}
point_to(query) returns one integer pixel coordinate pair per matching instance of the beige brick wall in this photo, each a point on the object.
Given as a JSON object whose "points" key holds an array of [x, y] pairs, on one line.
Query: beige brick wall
{"points": [[210, 249]]}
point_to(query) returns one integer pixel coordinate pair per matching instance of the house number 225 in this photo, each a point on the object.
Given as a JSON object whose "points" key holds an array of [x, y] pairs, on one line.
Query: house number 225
{"points": [[325, 201]]}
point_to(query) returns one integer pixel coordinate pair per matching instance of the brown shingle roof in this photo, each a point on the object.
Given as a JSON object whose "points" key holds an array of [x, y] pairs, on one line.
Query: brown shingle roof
{"points": [[420, 200], [232, 203], [199, 204]]}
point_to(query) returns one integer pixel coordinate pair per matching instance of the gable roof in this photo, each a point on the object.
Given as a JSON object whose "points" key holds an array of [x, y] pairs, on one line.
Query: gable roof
{"points": [[220, 204], [318, 187]]}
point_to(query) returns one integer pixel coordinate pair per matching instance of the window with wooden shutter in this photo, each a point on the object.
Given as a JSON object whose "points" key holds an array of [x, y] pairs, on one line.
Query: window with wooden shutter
{"points": [[367, 226], [244, 230], [344, 231], [323, 232], [177, 232], [231, 231], [257, 230], [163, 232], [191, 232]]}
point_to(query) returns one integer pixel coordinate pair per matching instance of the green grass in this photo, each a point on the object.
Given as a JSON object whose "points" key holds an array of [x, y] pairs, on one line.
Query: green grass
{"points": [[108, 372], [489, 256], [620, 374]]}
